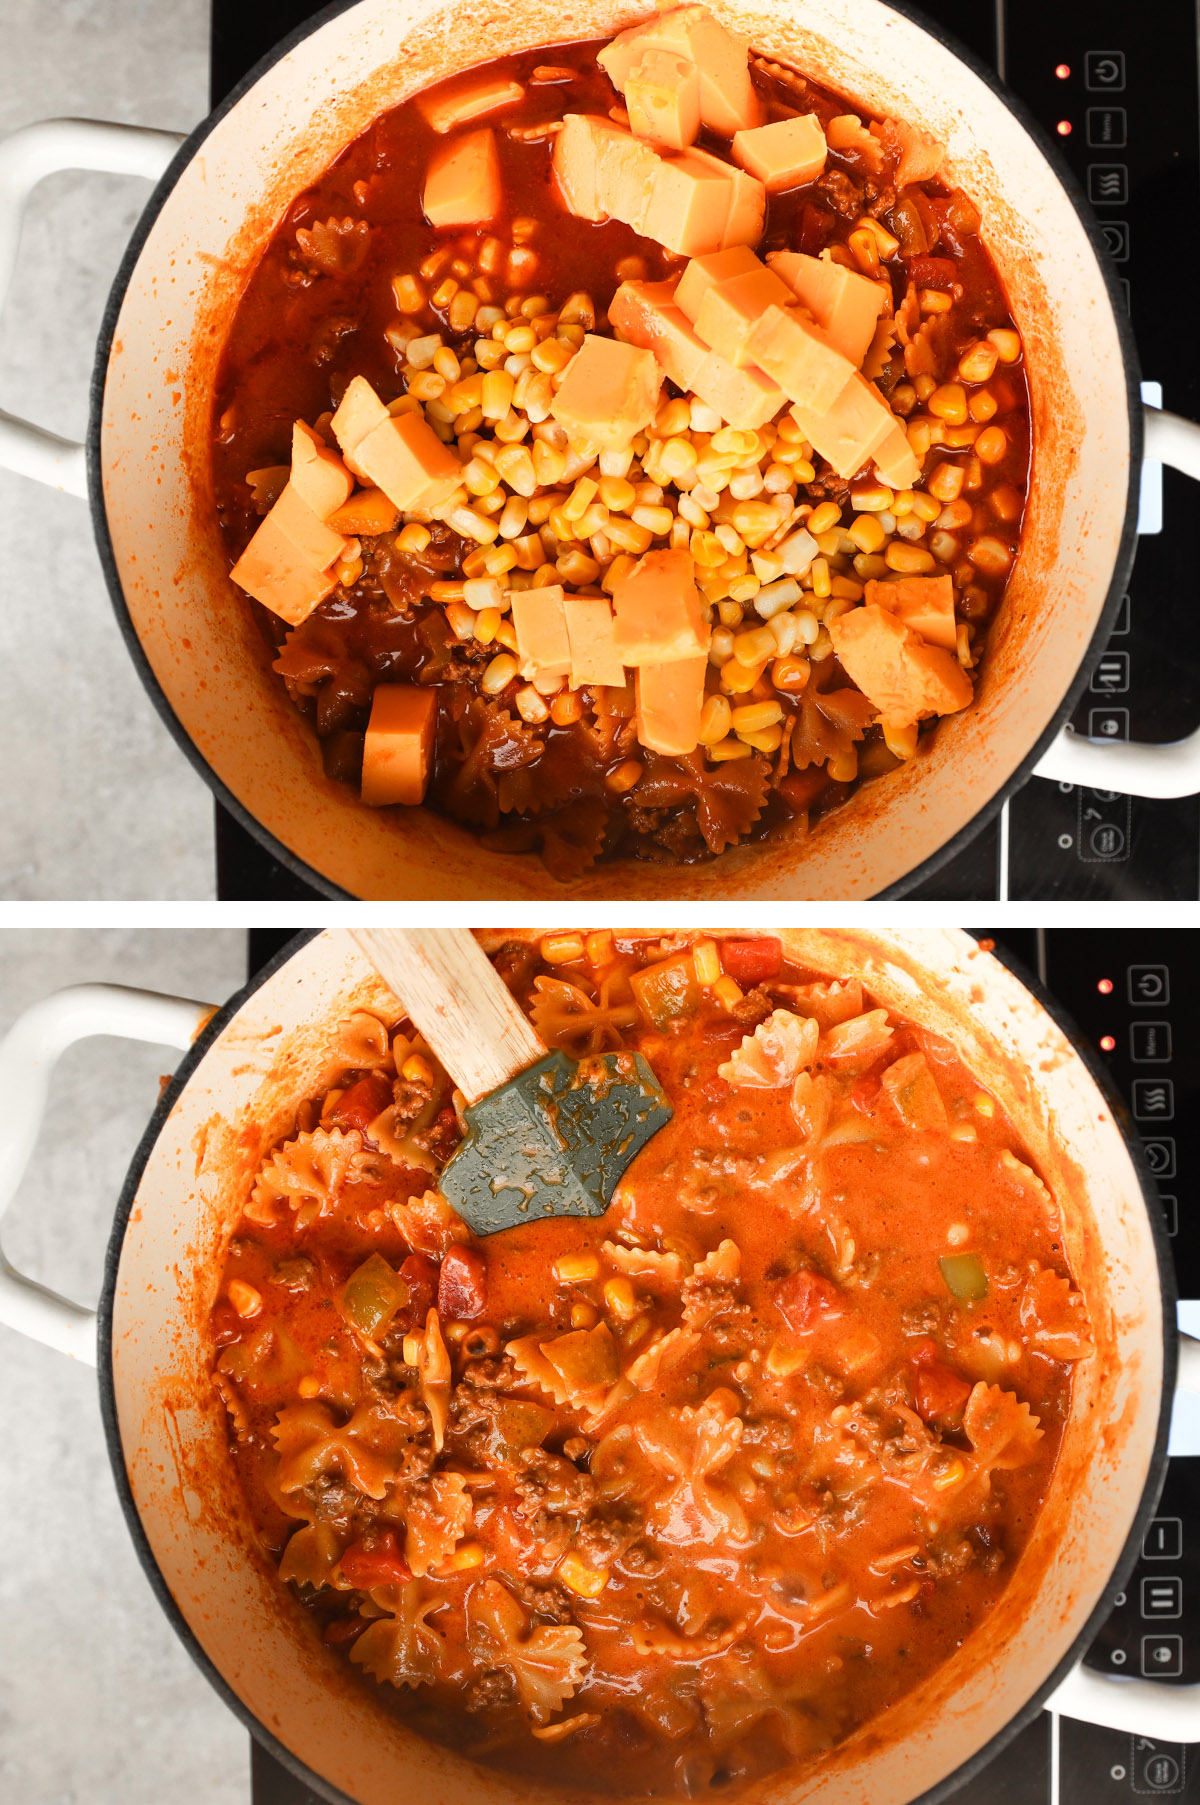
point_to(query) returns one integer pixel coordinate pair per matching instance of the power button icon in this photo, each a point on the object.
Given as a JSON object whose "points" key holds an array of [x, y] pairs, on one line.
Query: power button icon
{"points": [[1104, 71]]}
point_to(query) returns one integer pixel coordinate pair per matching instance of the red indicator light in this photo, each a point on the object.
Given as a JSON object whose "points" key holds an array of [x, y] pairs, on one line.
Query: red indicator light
{"points": [[1062, 71], [1107, 1043], [1105, 987], [1063, 128]]}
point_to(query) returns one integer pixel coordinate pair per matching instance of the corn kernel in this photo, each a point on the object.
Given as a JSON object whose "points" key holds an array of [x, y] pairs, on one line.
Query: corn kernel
{"points": [[753, 646], [724, 750], [978, 361], [819, 573], [791, 674], [244, 1298], [309, 1386], [867, 533], [417, 1069], [624, 777], [781, 1362], [901, 742], [738, 678], [909, 560], [951, 1475], [823, 517], [752, 717], [767, 739], [466, 1556], [982, 405], [587, 1582], [560, 949], [990, 556], [620, 1299], [412, 538], [1007, 343], [498, 674], [577, 1268], [529, 704], [462, 620], [991, 445], [949, 402], [727, 992]]}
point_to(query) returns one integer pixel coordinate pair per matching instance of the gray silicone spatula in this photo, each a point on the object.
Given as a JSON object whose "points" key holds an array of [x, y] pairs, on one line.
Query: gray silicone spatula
{"points": [[546, 1135]]}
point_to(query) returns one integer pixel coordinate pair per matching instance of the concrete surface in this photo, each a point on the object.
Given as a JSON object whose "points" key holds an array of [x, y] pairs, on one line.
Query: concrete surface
{"points": [[105, 805], [99, 1703]]}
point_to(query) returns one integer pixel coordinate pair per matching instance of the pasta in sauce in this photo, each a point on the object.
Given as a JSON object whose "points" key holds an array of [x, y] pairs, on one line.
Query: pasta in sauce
{"points": [[663, 1500]]}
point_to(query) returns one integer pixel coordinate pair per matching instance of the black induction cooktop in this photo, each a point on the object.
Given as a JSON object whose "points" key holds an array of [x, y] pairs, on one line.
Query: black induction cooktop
{"points": [[1120, 101]]}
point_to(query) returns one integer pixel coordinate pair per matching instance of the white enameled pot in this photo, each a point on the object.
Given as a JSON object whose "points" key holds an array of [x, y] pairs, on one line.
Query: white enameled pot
{"points": [[236, 1090], [207, 667]]}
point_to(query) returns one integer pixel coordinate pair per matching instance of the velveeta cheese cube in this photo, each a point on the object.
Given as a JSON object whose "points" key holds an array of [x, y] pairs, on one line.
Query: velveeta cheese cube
{"points": [[539, 619], [275, 574], [669, 700], [707, 271], [576, 162], [591, 635], [645, 314], [785, 154], [404, 457], [747, 207], [399, 743], [657, 610], [787, 347], [319, 476], [745, 398], [896, 461], [610, 391], [848, 432], [662, 98], [732, 309], [728, 102], [688, 204], [315, 542], [903, 677], [844, 304], [462, 182], [926, 604], [625, 176], [360, 409], [476, 98]]}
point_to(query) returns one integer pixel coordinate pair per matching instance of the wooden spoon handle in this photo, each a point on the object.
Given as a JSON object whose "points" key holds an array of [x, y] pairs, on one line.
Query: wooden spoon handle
{"points": [[458, 1000]]}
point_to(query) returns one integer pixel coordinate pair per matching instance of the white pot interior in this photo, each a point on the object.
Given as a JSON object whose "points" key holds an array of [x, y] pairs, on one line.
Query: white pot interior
{"points": [[242, 1094], [208, 657]]}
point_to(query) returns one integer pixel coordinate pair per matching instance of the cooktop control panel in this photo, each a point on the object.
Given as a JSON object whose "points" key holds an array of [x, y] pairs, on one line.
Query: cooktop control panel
{"points": [[1121, 105]]}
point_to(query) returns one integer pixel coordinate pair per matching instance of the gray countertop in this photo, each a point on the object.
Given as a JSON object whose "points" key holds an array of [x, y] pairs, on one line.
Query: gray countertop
{"points": [[99, 1704], [106, 805]]}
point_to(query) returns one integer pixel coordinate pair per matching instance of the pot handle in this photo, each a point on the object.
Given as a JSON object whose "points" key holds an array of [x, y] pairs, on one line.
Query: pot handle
{"points": [[1153, 1708], [29, 1053], [26, 156], [1132, 767]]}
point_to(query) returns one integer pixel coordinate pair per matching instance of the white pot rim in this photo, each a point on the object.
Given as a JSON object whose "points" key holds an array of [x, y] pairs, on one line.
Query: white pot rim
{"points": [[318, 880], [1156, 1470]]}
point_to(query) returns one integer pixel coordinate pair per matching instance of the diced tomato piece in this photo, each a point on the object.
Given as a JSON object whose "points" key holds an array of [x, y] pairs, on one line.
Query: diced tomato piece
{"points": [[420, 1274], [380, 1565], [933, 272], [359, 1106], [444, 1135], [749, 962], [939, 1392], [225, 1325], [800, 789], [343, 1630], [815, 225], [804, 1297], [462, 1285], [865, 1091]]}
